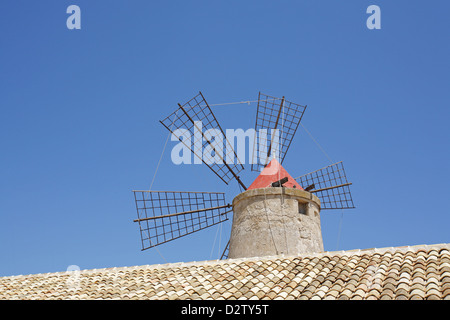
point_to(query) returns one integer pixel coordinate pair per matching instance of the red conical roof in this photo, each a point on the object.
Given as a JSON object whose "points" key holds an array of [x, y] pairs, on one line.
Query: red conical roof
{"points": [[272, 173]]}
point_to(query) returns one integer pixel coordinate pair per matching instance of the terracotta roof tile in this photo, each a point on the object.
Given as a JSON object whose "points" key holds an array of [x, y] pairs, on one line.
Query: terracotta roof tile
{"points": [[343, 296], [446, 293], [445, 286], [402, 292], [420, 272]]}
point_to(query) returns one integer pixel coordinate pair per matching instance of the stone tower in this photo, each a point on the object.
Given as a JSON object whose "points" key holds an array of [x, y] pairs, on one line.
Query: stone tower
{"points": [[270, 220]]}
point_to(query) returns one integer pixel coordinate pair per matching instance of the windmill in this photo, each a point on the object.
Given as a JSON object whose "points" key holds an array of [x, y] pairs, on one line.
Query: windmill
{"points": [[165, 216]]}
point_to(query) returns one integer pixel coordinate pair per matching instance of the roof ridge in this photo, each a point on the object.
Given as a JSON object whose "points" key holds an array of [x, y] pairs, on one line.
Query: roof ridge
{"points": [[249, 259]]}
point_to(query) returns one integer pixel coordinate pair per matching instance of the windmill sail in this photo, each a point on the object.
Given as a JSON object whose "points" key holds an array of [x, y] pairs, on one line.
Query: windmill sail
{"points": [[225, 251], [196, 116], [330, 185], [274, 114], [168, 215]]}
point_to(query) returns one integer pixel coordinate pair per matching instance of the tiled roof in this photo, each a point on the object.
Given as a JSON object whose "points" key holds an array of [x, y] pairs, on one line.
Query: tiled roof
{"points": [[417, 272]]}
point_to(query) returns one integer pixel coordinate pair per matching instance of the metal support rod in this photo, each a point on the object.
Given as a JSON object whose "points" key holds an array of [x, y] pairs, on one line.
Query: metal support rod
{"points": [[224, 162], [185, 212], [333, 187]]}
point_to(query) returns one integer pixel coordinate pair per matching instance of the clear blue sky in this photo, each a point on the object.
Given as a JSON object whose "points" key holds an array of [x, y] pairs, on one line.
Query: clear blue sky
{"points": [[79, 113]]}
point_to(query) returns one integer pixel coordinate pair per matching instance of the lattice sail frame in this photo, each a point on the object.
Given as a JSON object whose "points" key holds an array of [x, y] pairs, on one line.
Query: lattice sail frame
{"points": [[226, 251], [274, 113], [190, 116], [330, 185], [164, 216]]}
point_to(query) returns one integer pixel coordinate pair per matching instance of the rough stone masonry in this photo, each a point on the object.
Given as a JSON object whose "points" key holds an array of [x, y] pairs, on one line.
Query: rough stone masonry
{"points": [[273, 221]]}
